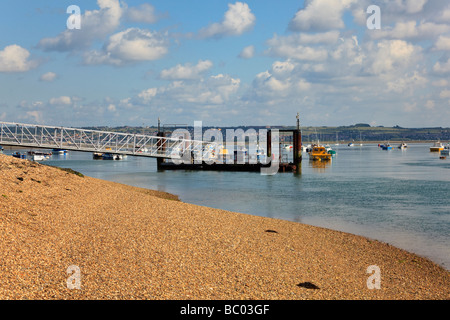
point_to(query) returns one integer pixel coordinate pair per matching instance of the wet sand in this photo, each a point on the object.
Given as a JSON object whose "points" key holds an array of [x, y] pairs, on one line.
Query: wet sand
{"points": [[133, 243]]}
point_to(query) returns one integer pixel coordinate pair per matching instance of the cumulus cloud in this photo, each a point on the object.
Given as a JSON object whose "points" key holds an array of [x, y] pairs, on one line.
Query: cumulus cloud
{"points": [[293, 47], [48, 77], [211, 91], [406, 30], [281, 81], [412, 6], [248, 52], [95, 25], [131, 45], [237, 20], [442, 43], [407, 82], [442, 68], [320, 15], [14, 58], [145, 13], [147, 95], [391, 55], [187, 71]]}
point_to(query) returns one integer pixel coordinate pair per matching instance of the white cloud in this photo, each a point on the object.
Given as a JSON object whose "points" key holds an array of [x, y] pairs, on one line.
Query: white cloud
{"points": [[63, 100], [349, 52], [282, 81], [95, 25], [131, 45], [407, 82], [391, 56], [442, 68], [214, 90], [146, 95], [145, 13], [442, 43], [237, 20], [444, 16], [411, 30], [14, 58], [187, 71], [320, 15], [414, 6], [48, 77], [248, 52], [291, 47]]}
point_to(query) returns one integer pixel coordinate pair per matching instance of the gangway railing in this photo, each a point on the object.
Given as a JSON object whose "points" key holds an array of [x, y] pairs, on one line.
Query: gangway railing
{"points": [[76, 139]]}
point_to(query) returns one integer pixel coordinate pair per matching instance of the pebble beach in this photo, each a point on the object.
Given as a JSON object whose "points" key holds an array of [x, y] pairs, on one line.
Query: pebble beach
{"points": [[132, 243]]}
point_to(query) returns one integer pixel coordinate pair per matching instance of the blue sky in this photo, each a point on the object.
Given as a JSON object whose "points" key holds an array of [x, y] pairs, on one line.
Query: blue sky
{"points": [[225, 63]]}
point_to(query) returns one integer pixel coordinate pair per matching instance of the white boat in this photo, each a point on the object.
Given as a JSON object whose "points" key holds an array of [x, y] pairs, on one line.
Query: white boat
{"points": [[39, 156], [350, 144], [403, 146]]}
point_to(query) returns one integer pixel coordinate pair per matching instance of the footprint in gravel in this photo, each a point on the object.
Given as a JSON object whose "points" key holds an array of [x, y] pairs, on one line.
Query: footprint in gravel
{"points": [[308, 285]]}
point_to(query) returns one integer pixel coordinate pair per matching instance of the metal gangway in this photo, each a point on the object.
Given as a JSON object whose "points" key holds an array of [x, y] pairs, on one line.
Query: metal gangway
{"points": [[75, 139]]}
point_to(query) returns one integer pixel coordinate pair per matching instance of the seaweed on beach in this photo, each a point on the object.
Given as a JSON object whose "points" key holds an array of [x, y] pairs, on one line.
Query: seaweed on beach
{"points": [[71, 171]]}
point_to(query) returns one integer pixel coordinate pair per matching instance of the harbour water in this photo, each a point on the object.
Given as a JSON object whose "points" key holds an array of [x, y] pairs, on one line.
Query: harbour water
{"points": [[399, 196]]}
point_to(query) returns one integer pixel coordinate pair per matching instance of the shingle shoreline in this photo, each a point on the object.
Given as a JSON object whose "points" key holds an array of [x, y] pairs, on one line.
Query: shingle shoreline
{"points": [[133, 243]]}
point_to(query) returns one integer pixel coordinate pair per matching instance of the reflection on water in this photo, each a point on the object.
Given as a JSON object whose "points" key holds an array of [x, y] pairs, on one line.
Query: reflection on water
{"points": [[397, 196], [320, 166]]}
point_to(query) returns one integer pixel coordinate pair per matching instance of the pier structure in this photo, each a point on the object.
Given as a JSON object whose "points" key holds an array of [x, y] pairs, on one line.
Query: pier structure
{"points": [[233, 161], [171, 153], [74, 139]]}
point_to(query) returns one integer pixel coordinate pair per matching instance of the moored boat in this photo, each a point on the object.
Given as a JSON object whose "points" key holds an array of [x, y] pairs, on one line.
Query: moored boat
{"points": [[386, 146], [112, 156], [446, 150], [436, 147], [19, 155], [59, 151], [97, 155], [319, 153], [39, 156], [403, 146]]}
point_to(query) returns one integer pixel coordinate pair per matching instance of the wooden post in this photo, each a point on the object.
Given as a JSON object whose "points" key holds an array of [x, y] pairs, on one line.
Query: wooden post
{"points": [[298, 146], [161, 144]]}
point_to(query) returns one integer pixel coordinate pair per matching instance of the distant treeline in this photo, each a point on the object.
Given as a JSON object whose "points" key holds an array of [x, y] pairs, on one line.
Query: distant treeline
{"points": [[357, 132]]}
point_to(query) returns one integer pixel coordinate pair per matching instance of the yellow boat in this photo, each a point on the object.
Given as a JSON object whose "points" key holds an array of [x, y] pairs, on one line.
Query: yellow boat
{"points": [[319, 153], [437, 146]]}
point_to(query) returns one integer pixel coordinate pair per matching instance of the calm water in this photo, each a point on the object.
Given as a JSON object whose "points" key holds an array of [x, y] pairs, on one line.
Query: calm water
{"points": [[398, 197]]}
